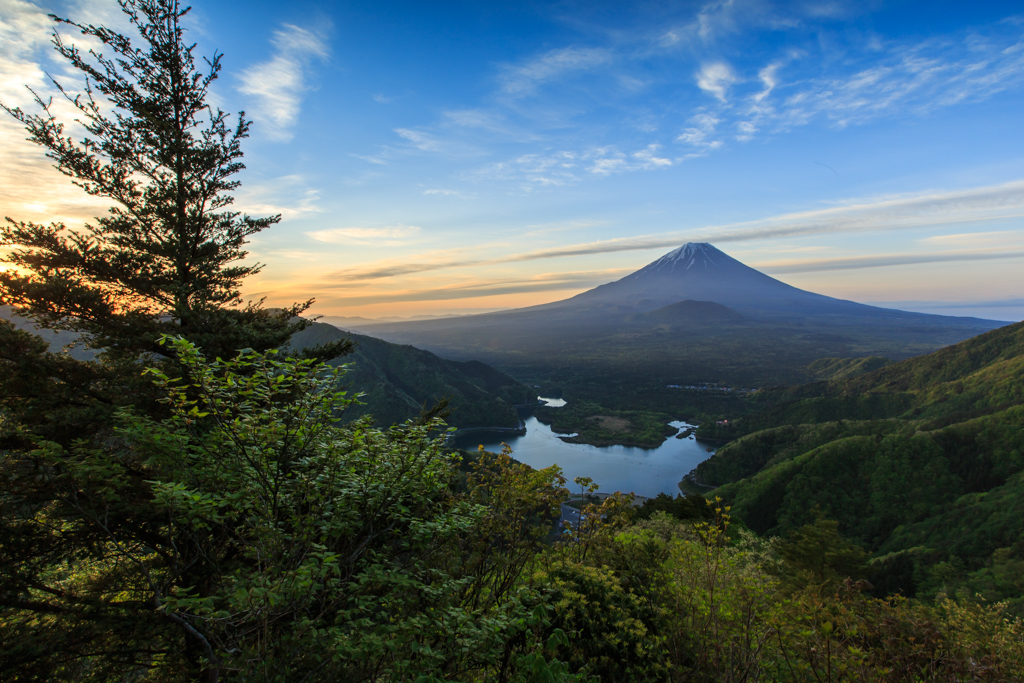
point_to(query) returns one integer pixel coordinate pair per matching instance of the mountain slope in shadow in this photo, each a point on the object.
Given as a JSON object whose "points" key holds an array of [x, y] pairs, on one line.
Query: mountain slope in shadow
{"points": [[688, 312], [398, 381]]}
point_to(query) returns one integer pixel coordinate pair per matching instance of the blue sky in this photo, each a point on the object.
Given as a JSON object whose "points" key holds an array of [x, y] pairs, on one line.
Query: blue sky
{"points": [[458, 157]]}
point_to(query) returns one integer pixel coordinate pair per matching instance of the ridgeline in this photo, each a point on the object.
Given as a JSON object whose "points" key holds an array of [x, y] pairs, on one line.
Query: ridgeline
{"points": [[920, 462]]}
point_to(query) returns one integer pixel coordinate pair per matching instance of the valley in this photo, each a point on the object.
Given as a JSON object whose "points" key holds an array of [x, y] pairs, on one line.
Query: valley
{"points": [[907, 429], [396, 382], [693, 316]]}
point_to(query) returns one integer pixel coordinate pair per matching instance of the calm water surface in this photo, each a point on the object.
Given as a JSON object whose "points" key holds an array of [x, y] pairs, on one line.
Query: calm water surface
{"points": [[644, 471]]}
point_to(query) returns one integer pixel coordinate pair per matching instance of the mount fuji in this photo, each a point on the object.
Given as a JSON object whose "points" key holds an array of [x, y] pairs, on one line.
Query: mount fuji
{"points": [[697, 271], [695, 310]]}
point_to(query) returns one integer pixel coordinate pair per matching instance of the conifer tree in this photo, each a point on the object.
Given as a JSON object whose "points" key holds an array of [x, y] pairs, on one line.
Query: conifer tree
{"points": [[167, 259]]}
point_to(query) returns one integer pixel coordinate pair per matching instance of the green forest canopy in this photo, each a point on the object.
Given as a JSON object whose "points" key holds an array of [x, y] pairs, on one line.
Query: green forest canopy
{"points": [[920, 462]]}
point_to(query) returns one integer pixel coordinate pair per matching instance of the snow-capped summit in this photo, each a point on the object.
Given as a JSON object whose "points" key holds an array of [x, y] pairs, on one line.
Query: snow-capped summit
{"points": [[690, 255]]}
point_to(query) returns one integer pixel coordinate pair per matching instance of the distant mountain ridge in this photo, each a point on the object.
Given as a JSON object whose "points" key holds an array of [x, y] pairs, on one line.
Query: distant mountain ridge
{"points": [[694, 314], [696, 271]]}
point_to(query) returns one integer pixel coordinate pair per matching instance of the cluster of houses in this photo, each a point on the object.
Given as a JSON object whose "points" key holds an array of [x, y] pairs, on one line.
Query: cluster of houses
{"points": [[710, 387]]}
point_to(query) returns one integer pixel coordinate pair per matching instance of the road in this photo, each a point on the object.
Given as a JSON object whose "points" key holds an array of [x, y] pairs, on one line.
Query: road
{"points": [[570, 515]]}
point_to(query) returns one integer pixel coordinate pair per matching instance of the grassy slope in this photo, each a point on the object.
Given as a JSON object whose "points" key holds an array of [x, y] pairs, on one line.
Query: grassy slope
{"points": [[845, 368], [920, 461]]}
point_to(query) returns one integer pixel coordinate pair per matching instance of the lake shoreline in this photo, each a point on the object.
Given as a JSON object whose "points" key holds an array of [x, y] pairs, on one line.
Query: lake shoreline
{"points": [[644, 471]]}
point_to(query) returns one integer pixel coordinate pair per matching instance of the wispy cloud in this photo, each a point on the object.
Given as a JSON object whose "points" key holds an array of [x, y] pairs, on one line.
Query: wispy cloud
{"points": [[443, 193], [895, 80], [419, 140], [487, 120], [395, 268], [975, 239], [699, 133], [547, 169], [428, 141], [565, 167], [542, 283], [523, 79], [30, 188], [975, 205], [389, 235], [23, 29], [648, 158], [378, 159], [278, 85], [714, 17], [868, 79], [721, 93], [476, 118], [608, 160], [537, 229], [716, 78], [295, 254], [290, 195], [885, 260], [769, 77]]}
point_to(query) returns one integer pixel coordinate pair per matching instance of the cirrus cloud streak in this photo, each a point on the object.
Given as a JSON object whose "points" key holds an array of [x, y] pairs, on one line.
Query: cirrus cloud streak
{"points": [[548, 282], [884, 260], [389, 235], [903, 212]]}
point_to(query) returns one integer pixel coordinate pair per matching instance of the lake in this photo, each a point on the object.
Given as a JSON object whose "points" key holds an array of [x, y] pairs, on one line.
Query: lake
{"points": [[644, 471]]}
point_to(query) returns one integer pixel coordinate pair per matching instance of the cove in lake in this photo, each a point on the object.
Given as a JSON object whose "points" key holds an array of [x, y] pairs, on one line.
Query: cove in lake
{"points": [[644, 471]]}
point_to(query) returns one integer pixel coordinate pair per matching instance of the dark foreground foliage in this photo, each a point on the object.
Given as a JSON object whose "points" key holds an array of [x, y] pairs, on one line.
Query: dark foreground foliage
{"points": [[246, 537]]}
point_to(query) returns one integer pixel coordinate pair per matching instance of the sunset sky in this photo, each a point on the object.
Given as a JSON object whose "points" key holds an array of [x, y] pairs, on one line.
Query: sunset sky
{"points": [[445, 157]]}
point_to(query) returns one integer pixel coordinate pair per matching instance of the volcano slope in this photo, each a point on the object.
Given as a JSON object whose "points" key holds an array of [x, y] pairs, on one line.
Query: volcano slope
{"points": [[920, 462], [695, 315]]}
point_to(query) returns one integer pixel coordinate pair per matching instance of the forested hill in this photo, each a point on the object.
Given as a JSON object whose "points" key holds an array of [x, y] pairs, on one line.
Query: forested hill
{"points": [[399, 380], [920, 462], [965, 380]]}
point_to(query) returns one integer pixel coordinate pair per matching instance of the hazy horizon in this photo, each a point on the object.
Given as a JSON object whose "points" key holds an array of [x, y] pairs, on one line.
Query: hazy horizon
{"points": [[452, 159]]}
